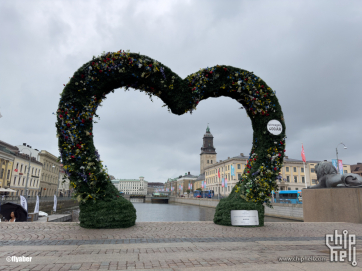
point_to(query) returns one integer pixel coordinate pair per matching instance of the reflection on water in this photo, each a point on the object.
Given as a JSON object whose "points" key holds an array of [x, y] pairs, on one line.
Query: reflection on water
{"points": [[154, 212]]}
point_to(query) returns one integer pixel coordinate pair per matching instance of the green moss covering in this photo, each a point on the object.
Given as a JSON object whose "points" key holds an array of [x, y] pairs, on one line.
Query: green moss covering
{"points": [[225, 206], [114, 212]]}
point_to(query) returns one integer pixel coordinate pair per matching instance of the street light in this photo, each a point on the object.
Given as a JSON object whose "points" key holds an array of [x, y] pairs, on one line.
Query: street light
{"points": [[27, 177], [337, 150]]}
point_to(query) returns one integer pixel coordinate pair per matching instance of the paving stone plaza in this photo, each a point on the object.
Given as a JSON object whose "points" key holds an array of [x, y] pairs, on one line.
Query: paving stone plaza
{"points": [[173, 246]]}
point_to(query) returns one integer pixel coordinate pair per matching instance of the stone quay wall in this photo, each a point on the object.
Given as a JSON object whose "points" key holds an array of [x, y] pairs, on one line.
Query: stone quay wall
{"points": [[288, 211]]}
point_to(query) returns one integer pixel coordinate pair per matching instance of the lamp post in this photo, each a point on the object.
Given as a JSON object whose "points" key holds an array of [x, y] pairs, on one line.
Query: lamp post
{"points": [[337, 149], [27, 177], [337, 152]]}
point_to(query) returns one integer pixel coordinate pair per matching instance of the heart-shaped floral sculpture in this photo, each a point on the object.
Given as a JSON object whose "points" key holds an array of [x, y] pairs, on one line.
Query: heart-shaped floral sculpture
{"points": [[99, 201]]}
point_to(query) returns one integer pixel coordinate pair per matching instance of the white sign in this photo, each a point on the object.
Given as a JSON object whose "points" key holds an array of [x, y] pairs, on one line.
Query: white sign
{"points": [[23, 203], [36, 209], [244, 218], [275, 127], [55, 203]]}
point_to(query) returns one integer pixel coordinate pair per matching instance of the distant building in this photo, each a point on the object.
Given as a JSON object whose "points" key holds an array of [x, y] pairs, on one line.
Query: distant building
{"points": [[182, 183], [357, 169], [171, 185], [17, 173], [213, 182], [154, 186], [7, 157], [293, 175], [131, 186], [112, 177]]}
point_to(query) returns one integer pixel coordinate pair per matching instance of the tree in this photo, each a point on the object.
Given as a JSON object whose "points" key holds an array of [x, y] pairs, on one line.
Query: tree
{"points": [[200, 189]]}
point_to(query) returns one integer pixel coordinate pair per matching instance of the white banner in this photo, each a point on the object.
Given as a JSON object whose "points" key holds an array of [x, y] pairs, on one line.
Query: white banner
{"points": [[36, 209], [23, 203], [55, 203]]}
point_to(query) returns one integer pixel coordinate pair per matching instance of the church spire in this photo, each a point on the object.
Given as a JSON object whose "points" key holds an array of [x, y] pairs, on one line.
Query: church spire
{"points": [[207, 129], [208, 142]]}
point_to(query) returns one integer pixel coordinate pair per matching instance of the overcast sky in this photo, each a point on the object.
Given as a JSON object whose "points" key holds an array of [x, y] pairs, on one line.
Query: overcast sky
{"points": [[308, 51]]}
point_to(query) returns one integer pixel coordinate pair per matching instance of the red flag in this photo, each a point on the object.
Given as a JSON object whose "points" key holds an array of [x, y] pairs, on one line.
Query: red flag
{"points": [[218, 173], [303, 154], [16, 170]]}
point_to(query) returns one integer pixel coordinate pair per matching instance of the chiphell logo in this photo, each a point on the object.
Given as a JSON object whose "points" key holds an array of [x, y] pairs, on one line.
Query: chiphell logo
{"points": [[342, 247]]}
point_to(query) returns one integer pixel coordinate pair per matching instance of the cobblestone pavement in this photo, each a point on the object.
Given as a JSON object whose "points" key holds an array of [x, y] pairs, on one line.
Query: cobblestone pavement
{"points": [[173, 246]]}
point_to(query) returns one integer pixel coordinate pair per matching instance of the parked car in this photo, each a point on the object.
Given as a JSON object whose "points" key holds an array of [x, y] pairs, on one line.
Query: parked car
{"points": [[198, 196]]}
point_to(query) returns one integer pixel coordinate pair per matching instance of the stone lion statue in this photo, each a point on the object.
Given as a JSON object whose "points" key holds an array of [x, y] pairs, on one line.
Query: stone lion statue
{"points": [[328, 176]]}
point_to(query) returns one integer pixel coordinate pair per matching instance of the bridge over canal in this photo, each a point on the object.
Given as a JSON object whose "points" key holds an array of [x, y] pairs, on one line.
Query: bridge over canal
{"points": [[161, 197]]}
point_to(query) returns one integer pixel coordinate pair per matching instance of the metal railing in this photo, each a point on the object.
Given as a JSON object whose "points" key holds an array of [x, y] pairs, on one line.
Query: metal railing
{"points": [[16, 199]]}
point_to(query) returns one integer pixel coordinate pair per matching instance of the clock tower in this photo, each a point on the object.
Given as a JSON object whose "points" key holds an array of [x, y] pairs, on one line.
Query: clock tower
{"points": [[208, 153]]}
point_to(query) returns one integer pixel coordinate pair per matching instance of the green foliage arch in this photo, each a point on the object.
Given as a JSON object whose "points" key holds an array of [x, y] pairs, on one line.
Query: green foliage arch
{"points": [[100, 203]]}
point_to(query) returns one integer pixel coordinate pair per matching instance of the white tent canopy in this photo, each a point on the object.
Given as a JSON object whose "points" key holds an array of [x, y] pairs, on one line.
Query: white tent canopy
{"points": [[7, 190]]}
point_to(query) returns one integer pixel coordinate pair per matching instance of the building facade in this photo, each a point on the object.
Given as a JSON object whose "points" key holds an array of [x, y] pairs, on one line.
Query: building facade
{"points": [[23, 173], [357, 169], [154, 186], [171, 186], [214, 182], [7, 157], [131, 186], [50, 174], [20, 179], [183, 182]]}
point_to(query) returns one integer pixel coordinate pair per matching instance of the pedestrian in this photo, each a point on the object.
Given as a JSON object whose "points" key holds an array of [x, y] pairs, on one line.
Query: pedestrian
{"points": [[12, 217]]}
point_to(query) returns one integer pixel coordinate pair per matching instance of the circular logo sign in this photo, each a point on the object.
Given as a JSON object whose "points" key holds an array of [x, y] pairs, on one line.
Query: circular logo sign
{"points": [[275, 127]]}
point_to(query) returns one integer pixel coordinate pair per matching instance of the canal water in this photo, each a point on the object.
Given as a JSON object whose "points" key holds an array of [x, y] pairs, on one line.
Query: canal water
{"points": [[153, 212], [158, 212]]}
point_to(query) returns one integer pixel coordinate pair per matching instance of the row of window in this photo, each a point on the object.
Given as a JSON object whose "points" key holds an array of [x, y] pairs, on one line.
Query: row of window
{"points": [[33, 182], [295, 179], [50, 167], [2, 174], [37, 172], [222, 169], [295, 169], [47, 178], [222, 189]]}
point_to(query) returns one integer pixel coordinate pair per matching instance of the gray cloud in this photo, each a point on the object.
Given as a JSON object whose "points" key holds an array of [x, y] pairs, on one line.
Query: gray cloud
{"points": [[308, 51]]}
